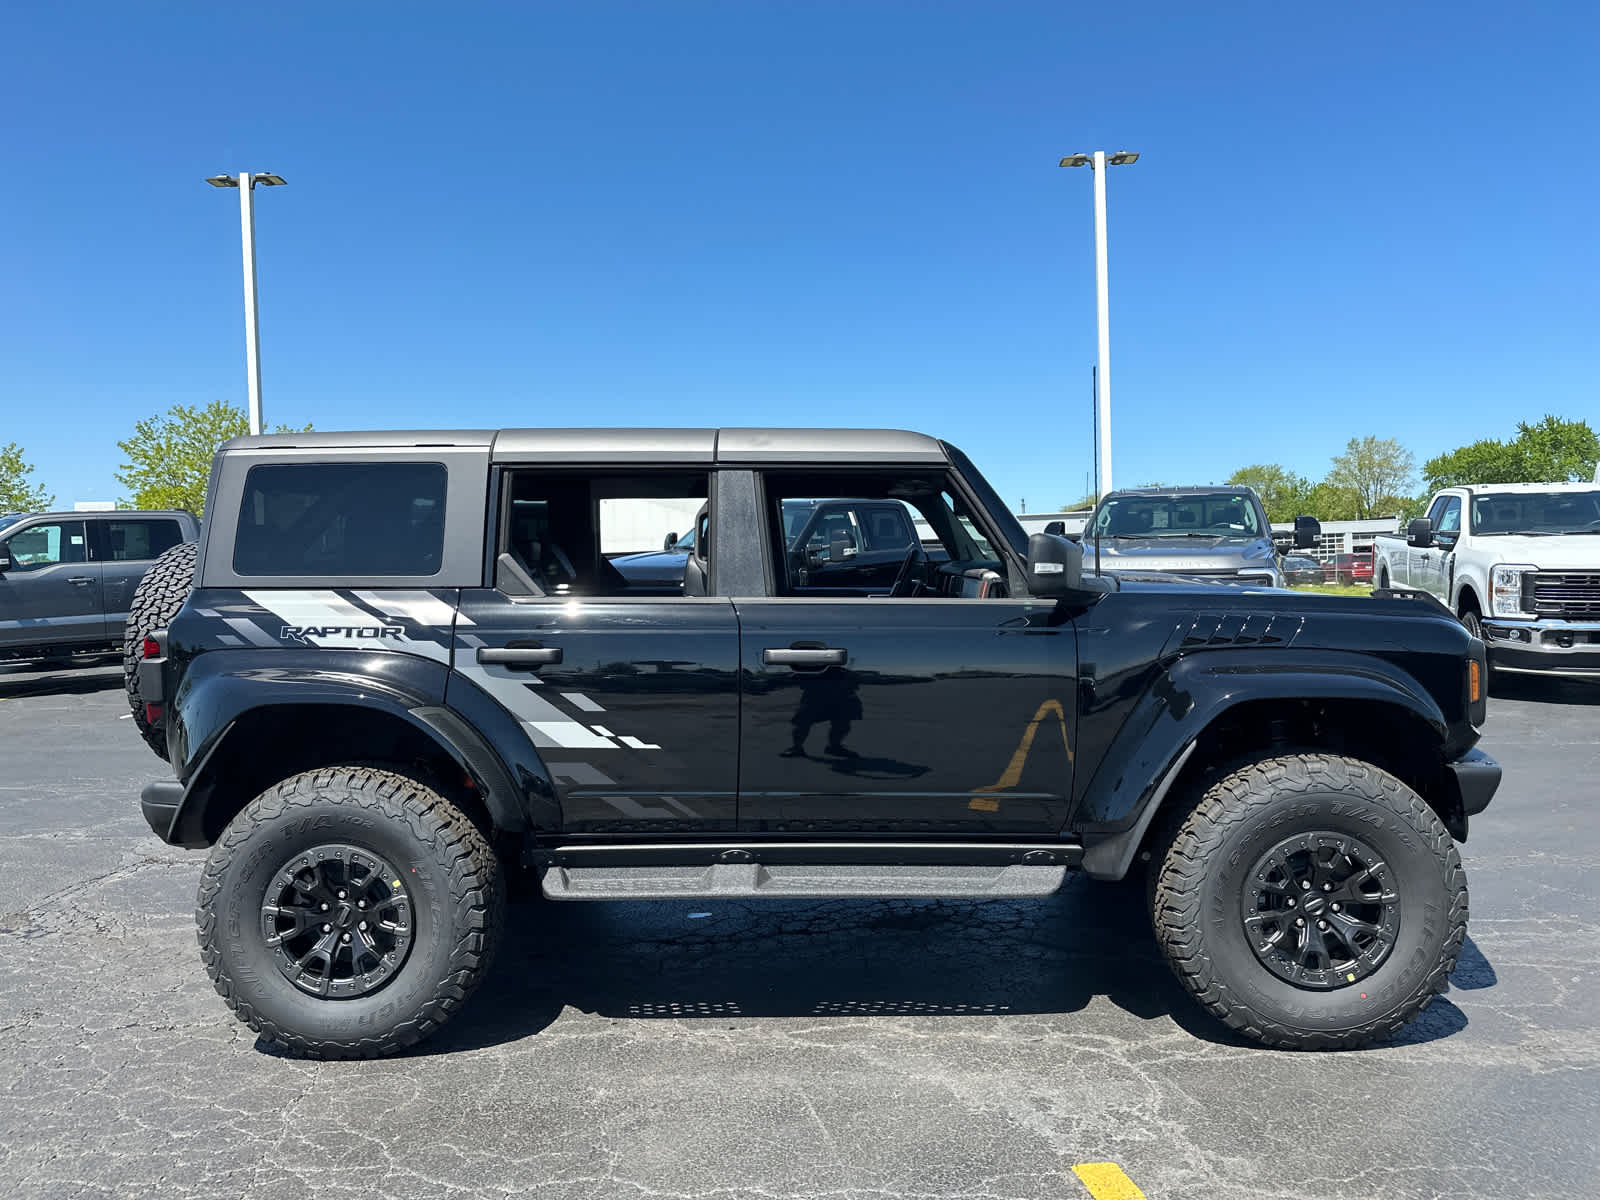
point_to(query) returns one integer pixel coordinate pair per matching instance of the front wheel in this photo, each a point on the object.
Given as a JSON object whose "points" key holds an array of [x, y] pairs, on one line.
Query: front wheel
{"points": [[1311, 902], [349, 912]]}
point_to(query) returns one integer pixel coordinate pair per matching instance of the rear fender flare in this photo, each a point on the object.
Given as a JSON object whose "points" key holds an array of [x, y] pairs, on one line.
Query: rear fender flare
{"points": [[214, 707]]}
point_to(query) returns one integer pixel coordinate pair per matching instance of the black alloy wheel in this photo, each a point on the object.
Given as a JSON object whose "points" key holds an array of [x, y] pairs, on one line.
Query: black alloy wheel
{"points": [[338, 920], [1321, 910]]}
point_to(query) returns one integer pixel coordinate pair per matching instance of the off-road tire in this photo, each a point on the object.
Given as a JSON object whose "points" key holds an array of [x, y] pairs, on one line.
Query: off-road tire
{"points": [[457, 900], [1203, 870], [160, 595]]}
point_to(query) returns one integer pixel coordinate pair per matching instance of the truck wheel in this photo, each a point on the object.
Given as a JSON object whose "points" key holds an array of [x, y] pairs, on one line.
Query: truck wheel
{"points": [[349, 912], [160, 595], [1311, 902]]}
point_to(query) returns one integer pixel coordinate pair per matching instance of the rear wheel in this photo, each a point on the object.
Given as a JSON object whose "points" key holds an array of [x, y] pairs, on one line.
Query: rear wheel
{"points": [[349, 912], [160, 595], [1311, 902]]}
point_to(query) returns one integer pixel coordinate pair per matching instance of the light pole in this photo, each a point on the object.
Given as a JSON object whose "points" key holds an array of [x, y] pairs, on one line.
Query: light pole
{"points": [[1097, 162], [246, 183]]}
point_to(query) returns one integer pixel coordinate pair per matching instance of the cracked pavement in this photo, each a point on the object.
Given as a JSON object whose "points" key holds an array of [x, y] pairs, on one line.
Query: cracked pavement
{"points": [[784, 1049]]}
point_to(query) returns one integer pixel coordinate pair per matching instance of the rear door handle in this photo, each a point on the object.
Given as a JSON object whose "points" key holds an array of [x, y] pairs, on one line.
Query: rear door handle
{"points": [[792, 657], [520, 658], [81, 580]]}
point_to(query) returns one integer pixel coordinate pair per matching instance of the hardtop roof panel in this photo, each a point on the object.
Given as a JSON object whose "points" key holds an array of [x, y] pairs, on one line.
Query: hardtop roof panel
{"points": [[605, 445]]}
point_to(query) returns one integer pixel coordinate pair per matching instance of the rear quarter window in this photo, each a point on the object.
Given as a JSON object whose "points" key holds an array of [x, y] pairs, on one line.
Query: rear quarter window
{"points": [[357, 519]]}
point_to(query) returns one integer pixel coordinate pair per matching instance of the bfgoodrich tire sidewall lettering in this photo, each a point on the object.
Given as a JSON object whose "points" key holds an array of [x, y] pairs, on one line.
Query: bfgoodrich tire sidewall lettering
{"points": [[1424, 905]]}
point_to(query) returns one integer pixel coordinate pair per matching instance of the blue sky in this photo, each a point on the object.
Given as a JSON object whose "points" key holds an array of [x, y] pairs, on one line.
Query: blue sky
{"points": [[1348, 219]]}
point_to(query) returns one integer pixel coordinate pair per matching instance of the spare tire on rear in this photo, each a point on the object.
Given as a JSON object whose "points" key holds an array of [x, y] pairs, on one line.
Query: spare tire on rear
{"points": [[161, 594]]}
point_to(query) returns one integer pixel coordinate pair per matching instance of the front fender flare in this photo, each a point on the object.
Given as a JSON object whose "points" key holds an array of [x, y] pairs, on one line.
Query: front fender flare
{"points": [[1121, 800]]}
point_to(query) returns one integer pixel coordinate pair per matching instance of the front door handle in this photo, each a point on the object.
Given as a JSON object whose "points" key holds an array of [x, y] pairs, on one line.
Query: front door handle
{"points": [[81, 580], [809, 657], [520, 658]]}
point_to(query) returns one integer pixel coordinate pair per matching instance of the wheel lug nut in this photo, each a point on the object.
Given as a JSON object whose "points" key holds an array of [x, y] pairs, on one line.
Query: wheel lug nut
{"points": [[327, 929], [1320, 925], [361, 903], [341, 895], [363, 925], [1299, 920], [344, 937], [1291, 901], [1327, 887], [324, 908], [1305, 885], [1335, 906]]}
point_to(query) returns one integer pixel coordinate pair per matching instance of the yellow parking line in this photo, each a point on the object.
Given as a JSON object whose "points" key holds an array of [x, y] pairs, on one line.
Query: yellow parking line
{"points": [[1106, 1181]]}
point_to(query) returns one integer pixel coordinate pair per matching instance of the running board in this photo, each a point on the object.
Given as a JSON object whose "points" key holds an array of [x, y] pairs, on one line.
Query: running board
{"points": [[749, 880]]}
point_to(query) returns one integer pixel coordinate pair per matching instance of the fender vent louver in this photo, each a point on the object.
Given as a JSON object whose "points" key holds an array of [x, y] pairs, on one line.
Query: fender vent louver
{"points": [[1232, 629]]}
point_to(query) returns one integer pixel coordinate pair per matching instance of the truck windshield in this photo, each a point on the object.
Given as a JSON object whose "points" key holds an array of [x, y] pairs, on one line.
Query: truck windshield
{"points": [[1206, 514], [1536, 512]]}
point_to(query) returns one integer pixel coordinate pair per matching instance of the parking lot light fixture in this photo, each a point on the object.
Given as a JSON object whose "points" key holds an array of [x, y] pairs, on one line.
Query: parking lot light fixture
{"points": [[246, 183], [1097, 162]]}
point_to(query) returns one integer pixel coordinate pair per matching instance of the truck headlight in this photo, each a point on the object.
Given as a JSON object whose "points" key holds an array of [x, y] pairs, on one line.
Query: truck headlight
{"points": [[1505, 587]]}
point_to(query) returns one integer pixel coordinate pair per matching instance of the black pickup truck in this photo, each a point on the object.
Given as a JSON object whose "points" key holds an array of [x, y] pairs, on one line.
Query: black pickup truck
{"points": [[67, 578], [405, 668]]}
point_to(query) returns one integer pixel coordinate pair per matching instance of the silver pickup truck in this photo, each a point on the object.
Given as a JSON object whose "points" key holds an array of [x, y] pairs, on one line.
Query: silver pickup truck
{"points": [[67, 578]]}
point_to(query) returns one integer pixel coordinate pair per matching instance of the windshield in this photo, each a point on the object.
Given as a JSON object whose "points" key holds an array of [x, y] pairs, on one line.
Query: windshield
{"points": [[1536, 512], [1211, 514], [10, 518], [1005, 524]]}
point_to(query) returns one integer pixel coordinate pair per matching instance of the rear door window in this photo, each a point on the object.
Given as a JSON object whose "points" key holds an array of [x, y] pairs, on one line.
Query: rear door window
{"points": [[358, 519], [136, 540]]}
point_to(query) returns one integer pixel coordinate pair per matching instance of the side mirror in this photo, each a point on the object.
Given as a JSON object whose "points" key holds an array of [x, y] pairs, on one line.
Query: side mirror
{"points": [[1306, 532], [5, 558], [672, 540], [1059, 528], [1055, 566], [839, 548], [1420, 533]]}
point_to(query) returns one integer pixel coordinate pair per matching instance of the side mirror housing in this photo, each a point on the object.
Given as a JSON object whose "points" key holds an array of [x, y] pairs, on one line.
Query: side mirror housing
{"points": [[5, 558], [1420, 533], [1306, 532], [672, 540], [1059, 528], [1055, 566]]}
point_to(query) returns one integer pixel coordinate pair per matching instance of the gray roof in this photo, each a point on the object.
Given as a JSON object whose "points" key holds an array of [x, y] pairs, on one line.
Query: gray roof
{"points": [[705, 446]]}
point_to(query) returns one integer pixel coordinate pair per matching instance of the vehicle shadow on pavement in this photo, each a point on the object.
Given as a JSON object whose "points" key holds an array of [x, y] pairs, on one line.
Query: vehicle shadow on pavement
{"points": [[28, 679], [730, 960], [1547, 689]]}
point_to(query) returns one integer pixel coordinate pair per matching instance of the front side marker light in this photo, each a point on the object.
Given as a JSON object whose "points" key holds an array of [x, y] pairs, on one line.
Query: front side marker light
{"points": [[1474, 681]]}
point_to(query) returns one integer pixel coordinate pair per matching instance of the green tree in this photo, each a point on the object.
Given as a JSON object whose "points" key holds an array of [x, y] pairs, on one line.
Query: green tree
{"points": [[1284, 494], [1379, 472], [169, 455], [1552, 451], [1329, 502], [17, 494]]}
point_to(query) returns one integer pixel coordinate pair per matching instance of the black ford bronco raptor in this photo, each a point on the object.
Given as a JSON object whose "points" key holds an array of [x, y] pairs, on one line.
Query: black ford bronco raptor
{"points": [[397, 666]]}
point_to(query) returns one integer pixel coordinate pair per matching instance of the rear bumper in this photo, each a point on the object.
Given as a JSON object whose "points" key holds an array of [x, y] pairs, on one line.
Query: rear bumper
{"points": [[1557, 647], [159, 801], [1477, 777]]}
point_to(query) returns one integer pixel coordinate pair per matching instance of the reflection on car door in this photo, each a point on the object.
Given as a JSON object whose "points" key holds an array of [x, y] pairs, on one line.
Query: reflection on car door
{"points": [[900, 716], [51, 593]]}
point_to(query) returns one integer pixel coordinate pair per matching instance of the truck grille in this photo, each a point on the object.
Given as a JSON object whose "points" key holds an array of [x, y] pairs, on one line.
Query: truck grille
{"points": [[1558, 594]]}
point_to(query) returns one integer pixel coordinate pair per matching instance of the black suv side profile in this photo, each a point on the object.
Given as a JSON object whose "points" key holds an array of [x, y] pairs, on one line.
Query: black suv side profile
{"points": [[400, 667]]}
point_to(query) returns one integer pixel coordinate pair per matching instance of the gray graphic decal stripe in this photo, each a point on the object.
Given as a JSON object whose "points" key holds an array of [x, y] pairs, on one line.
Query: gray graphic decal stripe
{"points": [[422, 607], [319, 608]]}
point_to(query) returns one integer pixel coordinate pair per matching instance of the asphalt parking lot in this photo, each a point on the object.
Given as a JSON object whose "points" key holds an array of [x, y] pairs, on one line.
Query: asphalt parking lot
{"points": [[846, 1049]]}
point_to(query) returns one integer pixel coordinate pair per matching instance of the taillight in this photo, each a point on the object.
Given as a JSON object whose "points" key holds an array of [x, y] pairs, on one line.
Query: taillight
{"points": [[152, 713], [152, 648]]}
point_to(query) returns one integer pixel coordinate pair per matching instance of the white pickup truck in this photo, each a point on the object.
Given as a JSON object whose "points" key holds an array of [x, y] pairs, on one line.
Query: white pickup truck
{"points": [[1519, 563]]}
